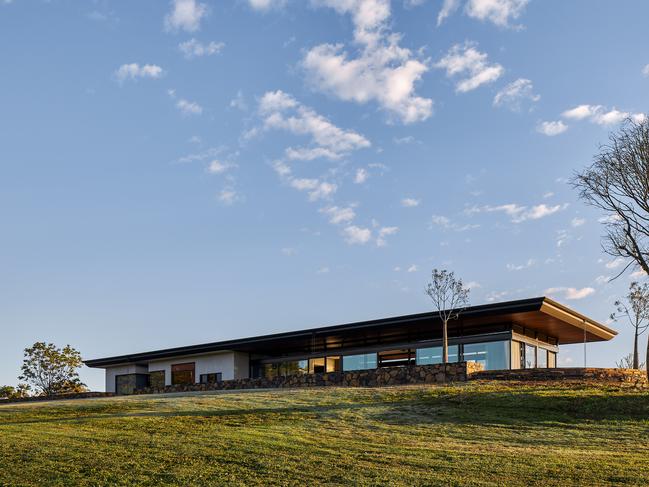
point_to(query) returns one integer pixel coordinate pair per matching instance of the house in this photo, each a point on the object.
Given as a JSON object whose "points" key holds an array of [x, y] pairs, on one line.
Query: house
{"points": [[510, 335]]}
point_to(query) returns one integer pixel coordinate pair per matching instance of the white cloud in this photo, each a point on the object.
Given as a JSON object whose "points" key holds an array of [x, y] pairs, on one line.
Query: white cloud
{"points": [[602, 279], [472, 285], [288, 251], [187, 107], [228, 196], [448, 7], [239, 102], [219, 167], [135, 71], [185, 15], [264, 5], [408, 139], [577, 222], [323, 270], [383, 233], [193, 48], [356, 235], [412, 268], [338, 214], [500, 12], [361, 176], [469, 66], [383, 71], [520, 267], [570, 293], [446, 223], [645, 71], [615, 263], [409, 202], [600, 115], [515, 93], [552, 128], [518, 213], [281, 111]]}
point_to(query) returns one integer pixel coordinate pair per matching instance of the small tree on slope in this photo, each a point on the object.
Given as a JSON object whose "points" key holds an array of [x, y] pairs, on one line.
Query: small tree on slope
{"points": [[636, 309], [52, 370]]}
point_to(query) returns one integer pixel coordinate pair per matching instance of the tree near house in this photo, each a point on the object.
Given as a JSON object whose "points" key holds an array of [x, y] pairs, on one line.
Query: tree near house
{"points": [[635, 307], [450, 297], [52, 370], [626, 362], [11, 392]]}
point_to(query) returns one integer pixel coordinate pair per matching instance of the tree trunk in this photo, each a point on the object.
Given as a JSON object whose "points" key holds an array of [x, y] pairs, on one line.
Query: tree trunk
{"points": [[636, 361], [445, 342]]}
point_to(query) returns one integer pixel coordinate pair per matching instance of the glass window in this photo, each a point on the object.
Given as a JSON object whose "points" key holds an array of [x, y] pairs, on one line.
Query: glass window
{"points": [[269, 370], [530, 356], [492, 355], [393, 358], [541, 358], [359, 362], [182, 373], [210, 378], [433, 355], [293, 367], [333, 364], [552, 359], [317, 365]]}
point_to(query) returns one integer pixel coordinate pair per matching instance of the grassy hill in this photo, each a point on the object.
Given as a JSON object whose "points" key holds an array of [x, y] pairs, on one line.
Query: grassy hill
{"points": [[470, 434]]}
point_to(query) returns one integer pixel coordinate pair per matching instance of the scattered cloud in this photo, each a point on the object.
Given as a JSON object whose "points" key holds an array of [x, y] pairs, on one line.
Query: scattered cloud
{"points": [[323, 270], [219, 167], [239, 102], [577, 222], [570, 293], [134, 71], [602, 279], [446, 223], [472, 285], [265, 5], [499, 12], [361, 176], [193, 48], [383, 233], [338, 214], [645, 71], [600, 115], [448, 8], [280, 110], [288, 251], [228, 196], [409, 202], [615, 263], [356, 235], [515, 94], [187, 107], [412, 268], [469, 67], [518, 213], [520, 267], [185, 15], [408, 139], [382, 70], [551, 128]]}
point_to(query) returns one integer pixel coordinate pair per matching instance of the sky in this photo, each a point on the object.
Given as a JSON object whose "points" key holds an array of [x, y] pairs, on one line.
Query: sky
{"points": [[180, 172]]}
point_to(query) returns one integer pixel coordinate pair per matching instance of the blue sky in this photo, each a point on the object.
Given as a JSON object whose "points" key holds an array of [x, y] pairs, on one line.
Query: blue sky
{"points": [[181, 172]]}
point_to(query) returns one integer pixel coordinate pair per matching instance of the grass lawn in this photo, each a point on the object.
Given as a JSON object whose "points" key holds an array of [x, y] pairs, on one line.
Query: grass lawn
{"points": [[469, 434]]}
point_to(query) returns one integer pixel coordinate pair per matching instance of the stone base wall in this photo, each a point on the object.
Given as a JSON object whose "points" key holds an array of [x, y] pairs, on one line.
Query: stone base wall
{"points": [[635, 378], [58, 397], [384, 376]]}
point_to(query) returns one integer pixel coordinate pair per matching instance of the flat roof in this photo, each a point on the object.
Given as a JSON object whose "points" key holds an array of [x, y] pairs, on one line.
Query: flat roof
{"points": [[540, 314]]}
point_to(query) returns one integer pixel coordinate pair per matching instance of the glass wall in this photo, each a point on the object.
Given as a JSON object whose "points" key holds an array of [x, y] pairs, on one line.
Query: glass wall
{"points": [[492, 355], [433, 355], [530, 356], [359, 362], [541, 358]]}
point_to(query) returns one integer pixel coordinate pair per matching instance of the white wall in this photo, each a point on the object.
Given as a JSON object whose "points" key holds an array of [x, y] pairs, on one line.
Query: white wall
{"points": [[111, 372], [232, 365]]}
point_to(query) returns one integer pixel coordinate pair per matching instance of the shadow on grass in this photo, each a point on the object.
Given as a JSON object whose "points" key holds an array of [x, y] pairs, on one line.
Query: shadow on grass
{"points": [[463, 405]]}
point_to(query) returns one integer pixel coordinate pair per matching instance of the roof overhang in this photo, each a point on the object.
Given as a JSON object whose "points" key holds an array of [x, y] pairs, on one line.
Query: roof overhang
{"points": [[542, 315]]}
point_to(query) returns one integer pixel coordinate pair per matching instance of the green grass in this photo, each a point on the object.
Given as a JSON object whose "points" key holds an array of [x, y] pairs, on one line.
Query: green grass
{"points": [[470, 434]]}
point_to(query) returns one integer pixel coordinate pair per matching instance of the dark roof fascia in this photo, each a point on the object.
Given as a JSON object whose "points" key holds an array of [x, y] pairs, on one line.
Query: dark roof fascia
{"points": [[519, 306]]}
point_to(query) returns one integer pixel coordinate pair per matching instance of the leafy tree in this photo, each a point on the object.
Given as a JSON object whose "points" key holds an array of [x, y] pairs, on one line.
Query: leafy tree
{"points": [[10, 392], [617, 183], [450, 297], [635, 307], [52, 370]]}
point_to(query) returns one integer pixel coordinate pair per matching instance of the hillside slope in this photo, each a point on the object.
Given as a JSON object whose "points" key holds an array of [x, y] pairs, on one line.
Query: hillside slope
{"points": [[470, 434]]}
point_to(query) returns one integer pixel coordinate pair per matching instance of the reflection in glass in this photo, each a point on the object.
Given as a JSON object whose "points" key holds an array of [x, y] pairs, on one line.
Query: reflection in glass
{"points": [[359, 362], [541, 358], [433, 355], [530, 356], [317, 365], [492, 355]]}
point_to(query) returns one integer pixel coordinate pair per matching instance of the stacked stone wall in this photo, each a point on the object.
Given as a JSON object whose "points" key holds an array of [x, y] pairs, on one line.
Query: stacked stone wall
{"points": [[630, 377], [383, 376]]}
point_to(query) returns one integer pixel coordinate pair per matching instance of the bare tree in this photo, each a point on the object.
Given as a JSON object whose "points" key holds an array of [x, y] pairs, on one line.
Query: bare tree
{"points": [[635, 307], [450, 297], [617, 182], [626, 362]]}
